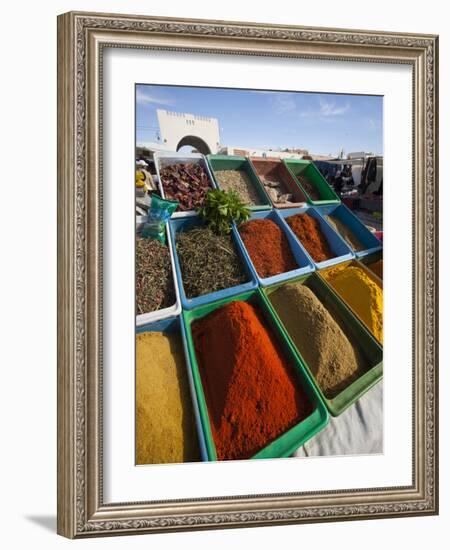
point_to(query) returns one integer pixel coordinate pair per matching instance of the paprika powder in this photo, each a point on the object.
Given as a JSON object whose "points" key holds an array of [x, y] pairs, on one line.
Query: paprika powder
{"points": [[268, 247], [251, 390], [307, 230]]}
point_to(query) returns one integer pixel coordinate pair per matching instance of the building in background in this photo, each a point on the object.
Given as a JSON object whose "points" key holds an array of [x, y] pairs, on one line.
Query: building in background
{"points": [[177, 130], [264, 152]]}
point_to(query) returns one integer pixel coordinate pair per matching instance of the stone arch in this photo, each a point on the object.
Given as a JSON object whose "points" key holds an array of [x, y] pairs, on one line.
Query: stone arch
{"points": [[194, 141]]}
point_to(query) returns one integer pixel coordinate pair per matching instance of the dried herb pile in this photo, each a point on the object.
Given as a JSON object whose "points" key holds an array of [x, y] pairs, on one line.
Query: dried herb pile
{"points": [[186, 183], [154, 281], [239, 182], [208, 262]]}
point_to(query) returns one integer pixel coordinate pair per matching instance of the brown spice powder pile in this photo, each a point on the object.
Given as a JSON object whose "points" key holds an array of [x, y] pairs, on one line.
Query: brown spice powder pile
{"points": [[332, 359], [308, 231]]}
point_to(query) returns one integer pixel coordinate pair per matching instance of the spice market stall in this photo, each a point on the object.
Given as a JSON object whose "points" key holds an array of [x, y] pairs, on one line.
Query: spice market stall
{"points": [[277, 324]]}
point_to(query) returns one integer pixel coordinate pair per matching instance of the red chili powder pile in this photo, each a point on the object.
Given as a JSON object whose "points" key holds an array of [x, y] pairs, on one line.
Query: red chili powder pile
{"points": [[252, 393], [268, 247], [308, 231]]}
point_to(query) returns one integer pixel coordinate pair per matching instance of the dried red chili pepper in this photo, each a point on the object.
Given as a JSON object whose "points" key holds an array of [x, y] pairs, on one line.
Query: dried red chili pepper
{"points": [[187, 183]]}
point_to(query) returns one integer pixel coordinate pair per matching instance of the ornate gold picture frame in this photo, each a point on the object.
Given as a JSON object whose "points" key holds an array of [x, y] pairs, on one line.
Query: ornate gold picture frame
{"points": [[81, 39]]}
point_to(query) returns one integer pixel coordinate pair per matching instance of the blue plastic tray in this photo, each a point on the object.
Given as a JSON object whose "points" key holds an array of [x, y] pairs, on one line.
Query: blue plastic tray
{"points": [[336, 242], [170, 325], [184, 224], [346, 216], [301, 257]]}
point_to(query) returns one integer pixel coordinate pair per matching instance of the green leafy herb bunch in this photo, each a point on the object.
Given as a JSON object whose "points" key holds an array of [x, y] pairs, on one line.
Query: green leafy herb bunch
{"points": [[221, 208]]}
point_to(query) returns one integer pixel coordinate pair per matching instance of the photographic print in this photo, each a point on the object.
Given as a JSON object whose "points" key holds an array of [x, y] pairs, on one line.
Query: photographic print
{"points": [[234, 327], [259, 274]]}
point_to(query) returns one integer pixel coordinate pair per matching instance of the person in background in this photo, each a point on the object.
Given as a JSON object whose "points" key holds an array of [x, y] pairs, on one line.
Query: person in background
{"points": [[338, 182], [347, 171], [144, 180]]}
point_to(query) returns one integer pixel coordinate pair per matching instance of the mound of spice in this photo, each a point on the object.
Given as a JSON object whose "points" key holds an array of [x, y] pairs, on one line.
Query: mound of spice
{"points": [[309, 187], [334, 362], [239, 182], [252, 392], [165, 427], [345, 232], [361, 293], [377, 268], [154, 279], [186, 183], [308, 231], [268, 247], [209, 262]]}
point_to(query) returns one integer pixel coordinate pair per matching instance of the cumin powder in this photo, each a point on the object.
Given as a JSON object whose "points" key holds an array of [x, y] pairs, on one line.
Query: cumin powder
{"points": [[334, 362]]}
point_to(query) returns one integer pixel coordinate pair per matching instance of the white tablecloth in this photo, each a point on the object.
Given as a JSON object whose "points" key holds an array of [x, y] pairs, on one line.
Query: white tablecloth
{"points": [[358, 430]]}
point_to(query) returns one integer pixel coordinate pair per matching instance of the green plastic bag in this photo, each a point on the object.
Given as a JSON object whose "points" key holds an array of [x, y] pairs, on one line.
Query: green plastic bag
{"points": [[158, 215]]}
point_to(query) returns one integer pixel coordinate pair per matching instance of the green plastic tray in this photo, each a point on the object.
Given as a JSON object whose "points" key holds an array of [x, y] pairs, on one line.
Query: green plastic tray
{"points": [[354, 329], [309, 170], [287, 443], [225, 162]]}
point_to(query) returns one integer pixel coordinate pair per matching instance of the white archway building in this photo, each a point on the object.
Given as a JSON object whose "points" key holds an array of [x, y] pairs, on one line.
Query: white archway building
{"points": [[179, 129]]}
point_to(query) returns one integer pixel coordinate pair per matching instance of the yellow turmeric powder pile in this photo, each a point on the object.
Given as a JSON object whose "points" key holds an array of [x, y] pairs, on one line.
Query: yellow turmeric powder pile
{"points": [[361, 293], [165, 429]]}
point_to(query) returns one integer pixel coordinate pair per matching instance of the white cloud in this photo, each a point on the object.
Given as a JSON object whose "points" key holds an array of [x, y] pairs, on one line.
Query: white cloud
{"points": [[329, 108], [326, 109], [283, 103], [145, 98]]}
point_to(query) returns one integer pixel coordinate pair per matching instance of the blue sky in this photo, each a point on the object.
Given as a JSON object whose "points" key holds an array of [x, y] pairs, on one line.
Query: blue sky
{"points": [[321, 123]]}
